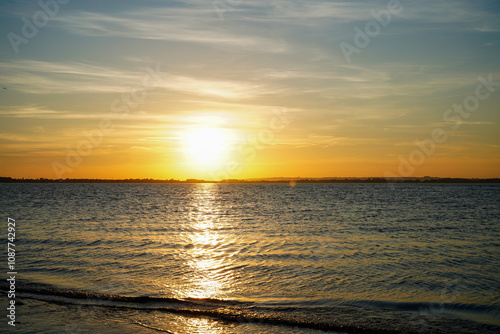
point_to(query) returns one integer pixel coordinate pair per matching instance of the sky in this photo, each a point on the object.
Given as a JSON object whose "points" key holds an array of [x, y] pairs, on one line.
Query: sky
{"points": [[229, 89]]}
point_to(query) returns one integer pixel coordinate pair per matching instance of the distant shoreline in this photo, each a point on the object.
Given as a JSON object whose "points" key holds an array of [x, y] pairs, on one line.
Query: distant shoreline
{"points": [[423, 180]]}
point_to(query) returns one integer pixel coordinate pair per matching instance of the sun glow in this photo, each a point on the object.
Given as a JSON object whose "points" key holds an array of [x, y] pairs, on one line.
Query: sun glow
{"points": [[207, 146]]}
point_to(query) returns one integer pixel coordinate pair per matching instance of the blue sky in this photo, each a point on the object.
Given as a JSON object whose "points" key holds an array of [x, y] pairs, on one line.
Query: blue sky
{"points": [[229, 64]]}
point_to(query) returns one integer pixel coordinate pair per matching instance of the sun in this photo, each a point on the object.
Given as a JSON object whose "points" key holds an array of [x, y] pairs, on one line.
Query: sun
{"points": [[206, 146]]}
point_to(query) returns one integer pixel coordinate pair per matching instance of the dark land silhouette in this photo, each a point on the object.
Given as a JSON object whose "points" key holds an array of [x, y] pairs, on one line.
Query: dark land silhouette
{"points": [[426, 179]]}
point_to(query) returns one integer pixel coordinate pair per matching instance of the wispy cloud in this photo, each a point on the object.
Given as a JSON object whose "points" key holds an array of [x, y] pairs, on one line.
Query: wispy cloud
{"points": [[466, 15], [40, 77], [31, 111], [169, 24]]}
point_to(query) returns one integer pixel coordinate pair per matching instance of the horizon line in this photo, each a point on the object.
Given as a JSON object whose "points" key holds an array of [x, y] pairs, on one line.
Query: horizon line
{"points": [[291, 180]]}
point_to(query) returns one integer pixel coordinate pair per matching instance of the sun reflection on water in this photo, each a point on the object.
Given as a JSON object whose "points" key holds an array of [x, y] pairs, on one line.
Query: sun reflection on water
{"points": [[202, 325], [210, 276]]}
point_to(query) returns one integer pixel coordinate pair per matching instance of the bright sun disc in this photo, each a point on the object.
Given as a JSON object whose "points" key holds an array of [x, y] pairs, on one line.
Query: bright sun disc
{"points": [[206, 146]]}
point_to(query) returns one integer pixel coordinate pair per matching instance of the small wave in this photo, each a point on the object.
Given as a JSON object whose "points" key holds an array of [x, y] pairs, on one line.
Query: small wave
{"points": [[348, 316], [226, 310], [48, 292], [152, 327], [419, 306], [96, 242]]}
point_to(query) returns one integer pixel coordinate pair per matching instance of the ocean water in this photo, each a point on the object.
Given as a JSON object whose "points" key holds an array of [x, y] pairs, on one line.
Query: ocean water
{"points": [[254, 258]]}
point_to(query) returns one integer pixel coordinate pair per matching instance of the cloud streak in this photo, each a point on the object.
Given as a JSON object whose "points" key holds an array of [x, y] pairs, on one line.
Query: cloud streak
{"points": [[171, 24]]}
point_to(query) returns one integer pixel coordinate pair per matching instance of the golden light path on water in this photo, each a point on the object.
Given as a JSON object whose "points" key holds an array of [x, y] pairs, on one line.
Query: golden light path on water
{"points": [[206, 254], [203, 325]]}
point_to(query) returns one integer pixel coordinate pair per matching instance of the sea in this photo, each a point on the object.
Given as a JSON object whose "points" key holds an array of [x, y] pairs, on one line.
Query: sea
{"points": [[251, 258]]}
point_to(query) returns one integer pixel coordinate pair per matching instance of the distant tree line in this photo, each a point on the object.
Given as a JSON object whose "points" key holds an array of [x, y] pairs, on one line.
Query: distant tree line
{"points": [[281, 180]]}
